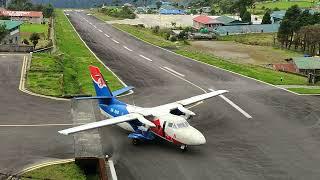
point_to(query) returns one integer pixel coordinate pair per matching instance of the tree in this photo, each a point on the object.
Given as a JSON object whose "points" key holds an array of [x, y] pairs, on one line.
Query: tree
{"points": [[158, 4], [242, 11], [266, 18], [3, 31], [246, 17], [48, 11], [34, 38]]}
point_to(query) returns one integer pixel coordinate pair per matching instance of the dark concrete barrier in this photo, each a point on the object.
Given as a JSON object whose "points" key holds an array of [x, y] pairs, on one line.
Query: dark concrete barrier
{"points": [[15, 48], [92, 165]]}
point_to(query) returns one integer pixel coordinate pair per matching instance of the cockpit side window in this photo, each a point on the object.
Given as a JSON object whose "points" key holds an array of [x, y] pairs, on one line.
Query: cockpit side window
{"points": [[183, 125]]}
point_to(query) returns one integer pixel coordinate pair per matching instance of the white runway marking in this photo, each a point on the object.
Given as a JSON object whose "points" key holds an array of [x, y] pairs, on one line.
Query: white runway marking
{"points": [[145, 58], [184, 80], [169, 69], [235, 106], [115, 41], [94, 26], [36, 125], [99, 30], [222, 96], [107, 35], [127, 48]]}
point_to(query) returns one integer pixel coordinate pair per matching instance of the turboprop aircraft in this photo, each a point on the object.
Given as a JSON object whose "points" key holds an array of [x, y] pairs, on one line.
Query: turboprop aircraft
{"points": [[168, 121]]}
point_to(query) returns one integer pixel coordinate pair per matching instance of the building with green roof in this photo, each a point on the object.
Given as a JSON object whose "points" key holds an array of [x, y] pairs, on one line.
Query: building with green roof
{"points": [[226, 20], [245, 29], [306, 65], [13, 37]]}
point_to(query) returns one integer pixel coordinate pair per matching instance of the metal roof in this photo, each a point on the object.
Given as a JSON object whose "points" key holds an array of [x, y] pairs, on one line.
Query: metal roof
{"points": [[10, 24], [307, 62], [278, 14], [244, 29], [225, 19]]}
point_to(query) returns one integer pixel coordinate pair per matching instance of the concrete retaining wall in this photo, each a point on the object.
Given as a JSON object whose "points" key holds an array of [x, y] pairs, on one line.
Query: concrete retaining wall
{"points": [[15, 48]]}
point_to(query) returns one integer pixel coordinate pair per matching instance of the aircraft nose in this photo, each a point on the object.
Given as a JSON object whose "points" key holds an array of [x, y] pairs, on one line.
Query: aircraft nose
{"points": [[195, 137]]}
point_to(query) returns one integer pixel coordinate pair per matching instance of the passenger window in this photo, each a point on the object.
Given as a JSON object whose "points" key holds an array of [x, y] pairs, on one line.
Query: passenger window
{"points": [[170, 124]]}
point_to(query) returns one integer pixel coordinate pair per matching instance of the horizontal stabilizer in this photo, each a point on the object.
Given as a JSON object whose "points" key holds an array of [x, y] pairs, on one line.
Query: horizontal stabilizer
{"points": [[93, 97], [122, 91]]}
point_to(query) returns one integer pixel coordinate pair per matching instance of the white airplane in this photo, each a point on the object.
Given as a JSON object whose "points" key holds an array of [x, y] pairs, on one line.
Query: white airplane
{"points": [[168, 121]]}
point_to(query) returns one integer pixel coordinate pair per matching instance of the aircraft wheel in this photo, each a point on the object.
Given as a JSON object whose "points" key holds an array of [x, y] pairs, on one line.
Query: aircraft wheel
{"points": [[135, 141], [184, 148]]}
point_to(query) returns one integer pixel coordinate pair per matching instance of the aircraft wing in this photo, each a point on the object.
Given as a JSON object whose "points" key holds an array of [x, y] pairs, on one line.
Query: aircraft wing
{"points": [[201, 97], [107, 122], [180, 105]]}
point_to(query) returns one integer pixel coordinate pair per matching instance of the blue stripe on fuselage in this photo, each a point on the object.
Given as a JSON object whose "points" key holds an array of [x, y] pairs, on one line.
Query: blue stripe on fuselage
{"points": [[117, 108]]}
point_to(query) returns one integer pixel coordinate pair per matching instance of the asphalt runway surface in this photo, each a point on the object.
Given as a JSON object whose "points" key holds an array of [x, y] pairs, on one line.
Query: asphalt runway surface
{"points": [[22, 146], [280, 141]]}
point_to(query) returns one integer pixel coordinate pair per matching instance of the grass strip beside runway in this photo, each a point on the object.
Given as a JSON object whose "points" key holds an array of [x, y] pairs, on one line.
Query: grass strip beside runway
{"points": [[66, 171], [77, 58], [253, 71], [66, 73], [45, 75], [305, 90]]}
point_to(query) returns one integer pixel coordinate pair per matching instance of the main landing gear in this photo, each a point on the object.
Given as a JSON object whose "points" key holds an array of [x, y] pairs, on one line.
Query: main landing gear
{"points": [[184, 148]]}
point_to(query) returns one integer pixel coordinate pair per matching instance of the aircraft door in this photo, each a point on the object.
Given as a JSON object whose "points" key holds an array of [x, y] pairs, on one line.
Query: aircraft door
{"points": [[164, 129], [170, 129]]}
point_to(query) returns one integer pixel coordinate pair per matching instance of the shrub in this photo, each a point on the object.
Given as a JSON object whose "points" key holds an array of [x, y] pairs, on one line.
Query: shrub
{"points": [[25, 41], [173, 38], [156, 29]]}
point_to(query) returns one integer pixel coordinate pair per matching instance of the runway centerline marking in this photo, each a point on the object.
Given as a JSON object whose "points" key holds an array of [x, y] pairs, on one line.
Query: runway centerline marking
{"points": [[107, 35], [169, 69], [127, 48], [184, 80], [115, 41], [145, 58], [247, 115], [99, 30], [37, 125]]}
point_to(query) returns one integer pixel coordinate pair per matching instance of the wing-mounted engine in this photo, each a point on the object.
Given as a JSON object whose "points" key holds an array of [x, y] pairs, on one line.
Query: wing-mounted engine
{"points": [[182, 111]]}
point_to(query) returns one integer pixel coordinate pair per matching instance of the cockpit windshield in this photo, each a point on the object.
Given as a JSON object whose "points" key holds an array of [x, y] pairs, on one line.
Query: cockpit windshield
{"points": [[179, 125]]}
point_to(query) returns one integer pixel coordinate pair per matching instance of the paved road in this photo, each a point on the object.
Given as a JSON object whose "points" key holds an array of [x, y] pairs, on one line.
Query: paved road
{"points": [[21, 146], [281, 141]]}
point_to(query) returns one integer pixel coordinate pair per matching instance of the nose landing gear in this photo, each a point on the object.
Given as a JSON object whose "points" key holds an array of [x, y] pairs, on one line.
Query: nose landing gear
{"points": [[135, 141], [184, 148]]}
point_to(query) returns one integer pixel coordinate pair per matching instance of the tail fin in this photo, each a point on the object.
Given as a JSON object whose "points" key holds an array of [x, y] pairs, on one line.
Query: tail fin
{"points": [[99, 83]]}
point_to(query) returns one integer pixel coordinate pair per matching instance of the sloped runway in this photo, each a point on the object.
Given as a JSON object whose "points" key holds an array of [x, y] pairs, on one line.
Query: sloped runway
{"points": [[280, 141]]}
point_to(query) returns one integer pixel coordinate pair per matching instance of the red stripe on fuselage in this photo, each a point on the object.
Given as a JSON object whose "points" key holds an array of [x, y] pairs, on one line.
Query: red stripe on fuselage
{"points": [[158, 130]]}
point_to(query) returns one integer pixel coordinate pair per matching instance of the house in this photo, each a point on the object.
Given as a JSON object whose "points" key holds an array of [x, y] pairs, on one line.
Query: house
{"points": [[168, 9], [206, 10], [277, 16], [306, 65], [141, 10], [13, 37], [152, 7], [245, 29], [27, 16], [207, 22], [211, 23]]}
